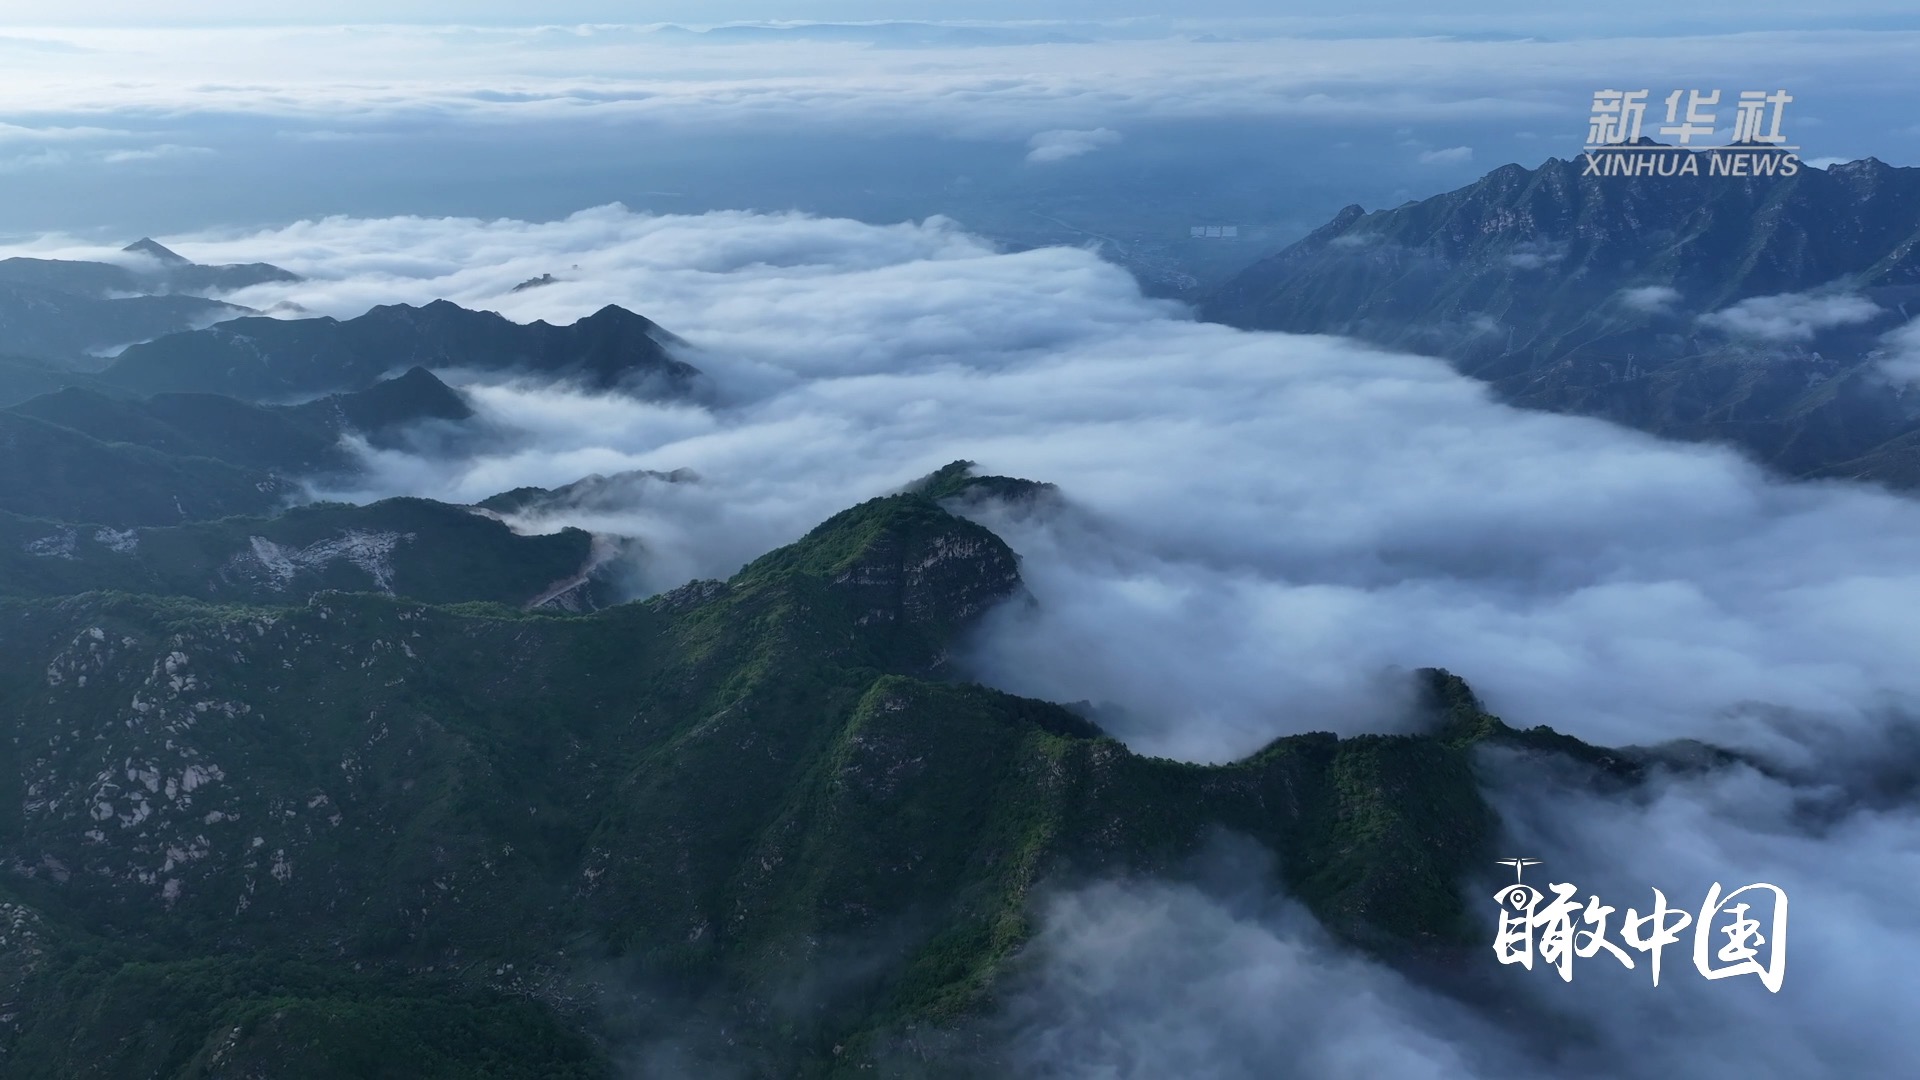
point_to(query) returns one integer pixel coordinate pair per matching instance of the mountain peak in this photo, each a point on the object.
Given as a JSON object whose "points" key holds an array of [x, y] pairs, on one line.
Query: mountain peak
{"points": [[1866, 168], [147, 245], [1564, 290], [417, 395], [265, 358], [912, 575], [615, 315], [617, 493], [961, 480]]}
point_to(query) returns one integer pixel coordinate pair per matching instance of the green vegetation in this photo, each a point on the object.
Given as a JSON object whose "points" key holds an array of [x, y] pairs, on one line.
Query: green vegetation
{"points": [[58, 473], [365, 833], [415, 548], [230, 1016], [959, 481]]}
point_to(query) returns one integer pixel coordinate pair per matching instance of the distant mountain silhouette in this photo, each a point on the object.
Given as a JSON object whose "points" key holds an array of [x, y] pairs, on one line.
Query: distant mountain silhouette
{"points": [[277, 359], [1616, 297], [73, 326], [172, 274], [287, 441], [147, 245], [70, 311]]}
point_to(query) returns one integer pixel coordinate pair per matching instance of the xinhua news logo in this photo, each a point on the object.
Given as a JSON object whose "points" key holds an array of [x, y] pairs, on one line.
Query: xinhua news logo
{"points": [[1755, 145]]}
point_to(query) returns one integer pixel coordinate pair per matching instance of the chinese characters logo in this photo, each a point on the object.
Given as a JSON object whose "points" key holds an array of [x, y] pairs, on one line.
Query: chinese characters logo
{"points": [[1755, 146], [1729, 938]]}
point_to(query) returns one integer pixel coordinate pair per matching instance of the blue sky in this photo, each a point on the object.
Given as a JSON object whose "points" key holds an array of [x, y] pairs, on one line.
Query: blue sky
{"points": [[1612, 17]]}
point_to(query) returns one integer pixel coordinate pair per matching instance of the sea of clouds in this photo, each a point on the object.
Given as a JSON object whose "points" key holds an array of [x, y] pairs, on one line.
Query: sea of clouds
{"points": [[1259, 531], [1262, 520]]}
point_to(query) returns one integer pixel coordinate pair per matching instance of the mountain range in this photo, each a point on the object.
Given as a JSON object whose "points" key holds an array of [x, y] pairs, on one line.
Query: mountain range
{"points": [[154, 270], [396, 789], [72, 311], [262, 358], [1759, 312], [360, 827], [303, 788], [197, 494], [114, 460], [414, 548]]}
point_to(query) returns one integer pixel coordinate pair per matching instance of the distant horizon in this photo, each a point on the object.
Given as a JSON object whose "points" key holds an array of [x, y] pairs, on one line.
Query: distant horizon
{"points": [[1271, 127]]}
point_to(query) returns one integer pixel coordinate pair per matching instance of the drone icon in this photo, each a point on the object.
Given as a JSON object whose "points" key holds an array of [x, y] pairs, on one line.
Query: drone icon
{"points": [[1518, 865]]}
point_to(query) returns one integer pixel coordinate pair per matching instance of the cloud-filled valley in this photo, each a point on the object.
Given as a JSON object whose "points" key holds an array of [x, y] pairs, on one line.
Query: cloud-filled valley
{"points": [[1257, 532], [1363, 510], [365, 714]]}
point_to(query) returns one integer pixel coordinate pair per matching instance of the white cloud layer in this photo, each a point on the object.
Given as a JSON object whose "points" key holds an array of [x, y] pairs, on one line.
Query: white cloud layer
{"points": [[1651, 298], [1452, 155], [1260, 523], [1061, 144], [1791, 316], [1146, 979], [1155, 979], [1079, 76], [1903, 353], [1258, 527], [444, 117]]}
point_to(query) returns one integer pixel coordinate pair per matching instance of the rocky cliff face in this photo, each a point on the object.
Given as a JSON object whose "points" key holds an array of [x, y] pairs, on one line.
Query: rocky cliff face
{"points": [[1748, 310], [935, 576]]}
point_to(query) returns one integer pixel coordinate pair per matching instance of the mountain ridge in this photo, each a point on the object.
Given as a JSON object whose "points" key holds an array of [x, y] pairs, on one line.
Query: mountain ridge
{"points": [[68, 327], [1751, 311], [102, 455], [148, 246], [260, 358], [169, 273], [407, 547], [705, 790]]}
